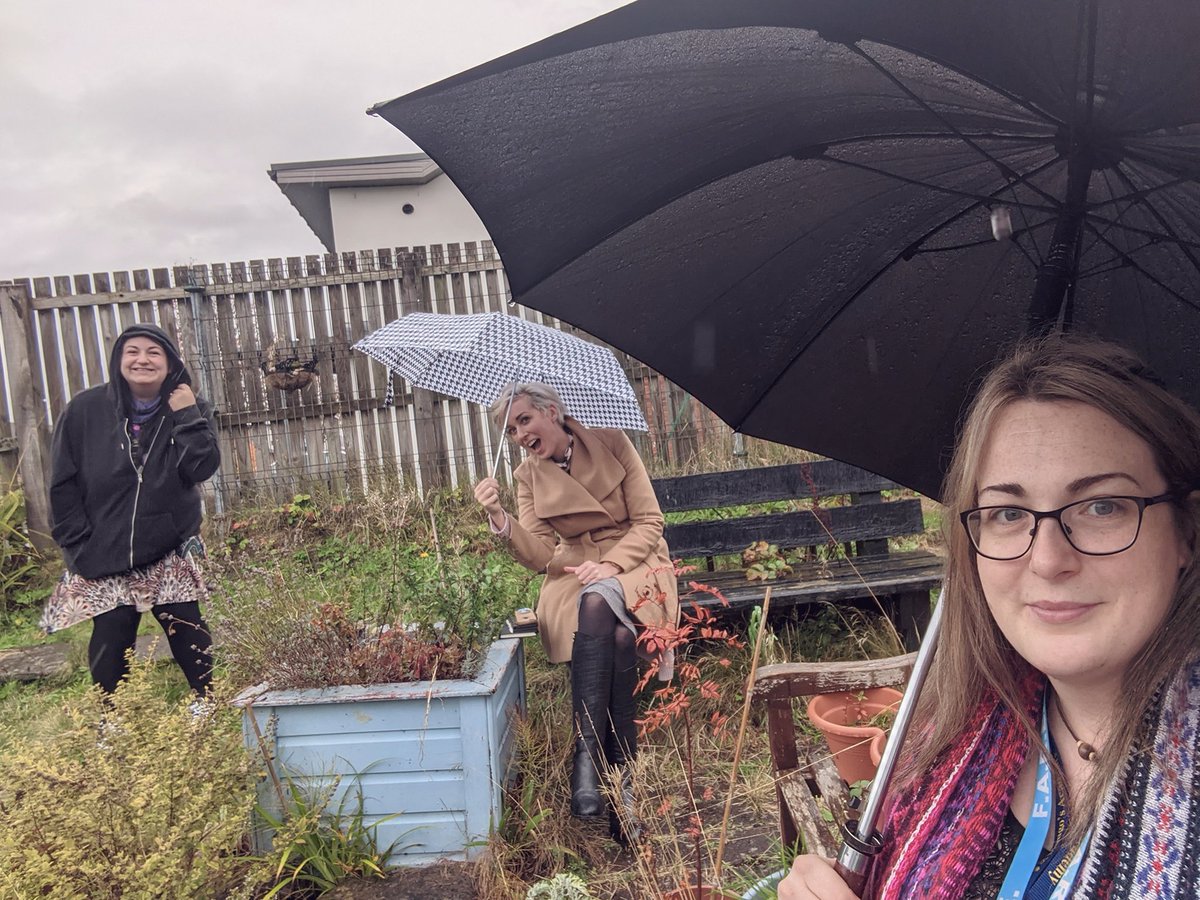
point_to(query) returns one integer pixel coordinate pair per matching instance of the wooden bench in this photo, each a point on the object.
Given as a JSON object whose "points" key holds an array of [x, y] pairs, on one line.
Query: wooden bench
{"points": [[862, 566], [813, 799]]}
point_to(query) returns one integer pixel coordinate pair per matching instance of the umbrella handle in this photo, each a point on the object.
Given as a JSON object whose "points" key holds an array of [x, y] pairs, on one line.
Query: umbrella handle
{"points": [[862, 840]]}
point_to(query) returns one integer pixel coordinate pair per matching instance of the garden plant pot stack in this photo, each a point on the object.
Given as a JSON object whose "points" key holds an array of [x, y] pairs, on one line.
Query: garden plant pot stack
{"points": [[848, 720]]}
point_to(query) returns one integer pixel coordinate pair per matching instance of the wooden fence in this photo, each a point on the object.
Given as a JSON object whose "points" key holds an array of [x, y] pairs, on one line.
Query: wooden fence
{"points": [[231, 320]]}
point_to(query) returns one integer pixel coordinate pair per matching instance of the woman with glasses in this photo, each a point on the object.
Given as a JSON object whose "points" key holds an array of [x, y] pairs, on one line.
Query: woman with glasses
{"points": [[1055, 746]]}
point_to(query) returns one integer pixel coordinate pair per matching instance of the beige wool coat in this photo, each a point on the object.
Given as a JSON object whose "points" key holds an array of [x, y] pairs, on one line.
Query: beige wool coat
{"points": [[604, 510]]}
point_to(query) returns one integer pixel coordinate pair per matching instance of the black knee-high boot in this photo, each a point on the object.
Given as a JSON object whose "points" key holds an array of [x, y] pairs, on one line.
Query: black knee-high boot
{"points": [[591, 688], [621, 749]]}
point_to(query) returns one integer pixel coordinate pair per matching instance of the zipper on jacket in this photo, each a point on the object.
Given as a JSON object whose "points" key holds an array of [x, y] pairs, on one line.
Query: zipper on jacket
{"points": [[138, 469]]}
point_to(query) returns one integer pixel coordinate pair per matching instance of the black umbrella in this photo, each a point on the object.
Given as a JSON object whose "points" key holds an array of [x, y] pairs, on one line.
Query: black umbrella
{"points": [[825, 217], [787, 206]]}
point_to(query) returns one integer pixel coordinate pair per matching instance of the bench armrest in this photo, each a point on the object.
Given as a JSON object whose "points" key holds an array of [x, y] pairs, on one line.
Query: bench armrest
{"points": [[787, 680]]}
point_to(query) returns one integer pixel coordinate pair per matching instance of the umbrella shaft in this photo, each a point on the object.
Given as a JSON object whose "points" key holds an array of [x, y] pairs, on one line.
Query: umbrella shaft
{"points": [[857, 860], [1057, 272]]}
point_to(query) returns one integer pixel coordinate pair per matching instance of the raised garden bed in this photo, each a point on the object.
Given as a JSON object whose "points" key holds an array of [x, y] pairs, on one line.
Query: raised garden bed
{"points": [[431, 757]]}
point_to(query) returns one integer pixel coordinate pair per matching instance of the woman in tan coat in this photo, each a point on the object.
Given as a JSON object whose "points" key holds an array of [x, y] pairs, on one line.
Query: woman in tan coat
{"points": [[587, 517]]}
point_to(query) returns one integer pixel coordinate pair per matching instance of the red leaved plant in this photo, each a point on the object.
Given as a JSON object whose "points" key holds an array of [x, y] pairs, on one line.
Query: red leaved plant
{"points": [[696, 644]]}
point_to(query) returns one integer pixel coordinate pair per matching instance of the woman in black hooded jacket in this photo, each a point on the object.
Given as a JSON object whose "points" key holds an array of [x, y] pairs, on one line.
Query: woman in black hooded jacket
{"points": [[128, 459]]}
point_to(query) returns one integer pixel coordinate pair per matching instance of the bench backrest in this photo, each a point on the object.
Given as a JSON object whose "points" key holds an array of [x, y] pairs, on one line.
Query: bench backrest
{"points": [[869, 520]]}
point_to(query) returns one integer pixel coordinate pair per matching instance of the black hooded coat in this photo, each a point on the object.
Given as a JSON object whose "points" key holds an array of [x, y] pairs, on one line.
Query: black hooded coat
{"points": [[109, 513]]}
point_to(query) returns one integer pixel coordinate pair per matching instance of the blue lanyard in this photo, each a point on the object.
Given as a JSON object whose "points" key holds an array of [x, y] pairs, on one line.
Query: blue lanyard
{"points": [[1025, 863]]}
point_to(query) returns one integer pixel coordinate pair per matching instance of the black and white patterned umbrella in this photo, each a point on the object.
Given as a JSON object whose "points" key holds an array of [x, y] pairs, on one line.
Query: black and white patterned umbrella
{"points": [[475, 356]]}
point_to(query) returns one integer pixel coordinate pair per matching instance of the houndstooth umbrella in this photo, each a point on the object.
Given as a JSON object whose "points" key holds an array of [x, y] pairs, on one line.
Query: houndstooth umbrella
{"points": [[473, 357]]}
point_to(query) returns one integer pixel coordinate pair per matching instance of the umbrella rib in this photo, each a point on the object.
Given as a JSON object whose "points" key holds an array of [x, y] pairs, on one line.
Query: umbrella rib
{"points": [[1127, 260], [1113, 223], [1028, 229], [923, 135], [1153, 236], [1008, 95], [1192, 176], [1155, 214], [969, 195], [1142, 192], [970, 245], [1004, 169]]}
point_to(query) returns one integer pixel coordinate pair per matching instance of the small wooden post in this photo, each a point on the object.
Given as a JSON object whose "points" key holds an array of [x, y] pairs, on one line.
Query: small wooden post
{"points": [[32, 427]]}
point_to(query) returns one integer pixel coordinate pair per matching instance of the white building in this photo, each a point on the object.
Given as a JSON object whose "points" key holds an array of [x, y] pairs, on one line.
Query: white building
{"points": [[378, 201]]}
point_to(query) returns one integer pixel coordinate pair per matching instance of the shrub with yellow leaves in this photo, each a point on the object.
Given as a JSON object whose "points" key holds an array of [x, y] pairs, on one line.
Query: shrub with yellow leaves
{"points": [[136, 800]]}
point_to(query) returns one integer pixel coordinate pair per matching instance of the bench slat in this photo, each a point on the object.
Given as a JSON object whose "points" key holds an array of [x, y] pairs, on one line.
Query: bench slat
{"points": [[858, 522], [895, 574], [823, 478]]}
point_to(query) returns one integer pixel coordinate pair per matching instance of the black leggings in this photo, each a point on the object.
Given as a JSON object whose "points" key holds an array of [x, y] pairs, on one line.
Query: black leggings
{"points": [[597, 619], [114, 634]]}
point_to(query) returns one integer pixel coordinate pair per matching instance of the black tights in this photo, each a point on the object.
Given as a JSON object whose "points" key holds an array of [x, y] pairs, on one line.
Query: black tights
{"points": [[114, 634], [597, 619]]}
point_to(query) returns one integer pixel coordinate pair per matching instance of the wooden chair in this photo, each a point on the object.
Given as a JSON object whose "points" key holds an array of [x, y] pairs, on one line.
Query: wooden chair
{"points": [[804, 775]]}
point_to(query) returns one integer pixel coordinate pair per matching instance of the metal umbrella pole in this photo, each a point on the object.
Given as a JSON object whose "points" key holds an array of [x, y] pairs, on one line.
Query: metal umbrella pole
{"points": [[862, 840], [504, 429]]}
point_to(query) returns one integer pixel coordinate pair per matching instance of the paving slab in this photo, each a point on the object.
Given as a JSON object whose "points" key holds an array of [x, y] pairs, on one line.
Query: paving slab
{"points": [[39, 661]]}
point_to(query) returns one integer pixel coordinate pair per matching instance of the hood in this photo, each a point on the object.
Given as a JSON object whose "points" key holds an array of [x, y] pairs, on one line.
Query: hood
{"points": [[177, 372]]}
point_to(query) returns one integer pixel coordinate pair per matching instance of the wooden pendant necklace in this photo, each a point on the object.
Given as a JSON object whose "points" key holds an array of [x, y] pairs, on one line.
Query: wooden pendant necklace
{"points": [[1086, 751]]}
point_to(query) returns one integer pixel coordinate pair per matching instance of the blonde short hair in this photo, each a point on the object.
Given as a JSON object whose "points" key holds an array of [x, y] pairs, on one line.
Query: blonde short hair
{"points": [[541, 396]]}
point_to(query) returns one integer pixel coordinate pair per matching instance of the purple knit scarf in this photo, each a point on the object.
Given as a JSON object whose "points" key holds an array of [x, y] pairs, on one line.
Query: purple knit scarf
{"points": [[941, 830]]}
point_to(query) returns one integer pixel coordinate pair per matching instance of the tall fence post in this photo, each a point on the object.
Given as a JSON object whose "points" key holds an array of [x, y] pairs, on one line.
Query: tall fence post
{"points": [[195, 293], [433, 465], [31, 426]]}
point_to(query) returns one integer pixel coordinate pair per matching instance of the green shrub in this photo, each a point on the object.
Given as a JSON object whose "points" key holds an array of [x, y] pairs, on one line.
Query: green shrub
{"points": [[313, 849], [152, 804], [18, 558]]}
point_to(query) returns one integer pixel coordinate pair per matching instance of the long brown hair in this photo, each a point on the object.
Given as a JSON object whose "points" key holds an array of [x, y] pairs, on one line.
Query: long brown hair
{"points": [[973, 655]]}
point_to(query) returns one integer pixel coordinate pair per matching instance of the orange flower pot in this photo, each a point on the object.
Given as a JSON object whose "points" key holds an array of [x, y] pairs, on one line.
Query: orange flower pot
{"points": [[876, 749], [841, 717]]}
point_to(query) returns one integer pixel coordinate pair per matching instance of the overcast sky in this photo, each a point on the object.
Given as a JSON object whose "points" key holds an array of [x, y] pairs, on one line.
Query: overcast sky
{"points": [[137, 133]]}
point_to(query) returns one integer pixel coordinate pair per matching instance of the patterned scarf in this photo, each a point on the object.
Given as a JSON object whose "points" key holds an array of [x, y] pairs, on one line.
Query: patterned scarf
{"points": [[942, 829], [139, 415]]}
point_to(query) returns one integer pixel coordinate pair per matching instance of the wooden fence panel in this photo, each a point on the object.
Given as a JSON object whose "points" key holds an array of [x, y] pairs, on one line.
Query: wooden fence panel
{"points": [[335, 433]]}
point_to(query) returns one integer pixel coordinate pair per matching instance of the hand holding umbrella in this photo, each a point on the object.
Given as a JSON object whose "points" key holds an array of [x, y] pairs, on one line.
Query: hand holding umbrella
{"points": [[487, 495]]}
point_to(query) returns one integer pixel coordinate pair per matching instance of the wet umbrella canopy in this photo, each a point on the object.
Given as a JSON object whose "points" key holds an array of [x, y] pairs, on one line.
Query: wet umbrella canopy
{"points": [[786, 206]]}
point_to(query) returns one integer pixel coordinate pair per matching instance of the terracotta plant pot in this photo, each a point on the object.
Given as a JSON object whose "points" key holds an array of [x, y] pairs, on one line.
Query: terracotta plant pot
{"points": [[840, 716], [877, 744], [705, 892]]}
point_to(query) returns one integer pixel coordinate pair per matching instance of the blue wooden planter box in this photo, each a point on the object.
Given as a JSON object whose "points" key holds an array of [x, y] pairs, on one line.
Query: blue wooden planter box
{"points": [[433, 755]]}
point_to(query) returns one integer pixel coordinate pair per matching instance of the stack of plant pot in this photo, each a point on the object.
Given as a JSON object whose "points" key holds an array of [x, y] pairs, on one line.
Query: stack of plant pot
{"points": [[852, 722]]}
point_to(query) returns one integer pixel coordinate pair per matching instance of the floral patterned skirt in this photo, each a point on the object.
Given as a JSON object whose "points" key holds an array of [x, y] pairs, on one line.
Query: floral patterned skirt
{"points": [[176, 578]]}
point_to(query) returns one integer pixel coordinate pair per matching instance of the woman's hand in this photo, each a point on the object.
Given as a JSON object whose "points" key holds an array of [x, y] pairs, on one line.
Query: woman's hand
{"points": [[813, 878], [487, 495], [181, 398], [591, 572]]}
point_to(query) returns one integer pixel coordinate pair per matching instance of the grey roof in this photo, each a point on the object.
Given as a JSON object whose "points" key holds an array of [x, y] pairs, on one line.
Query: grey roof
{"points": [[306, 184]]}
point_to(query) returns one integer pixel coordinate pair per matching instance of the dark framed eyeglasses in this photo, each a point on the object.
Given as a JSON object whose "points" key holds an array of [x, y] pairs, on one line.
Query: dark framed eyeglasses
{"points": [[1098, 526]]}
